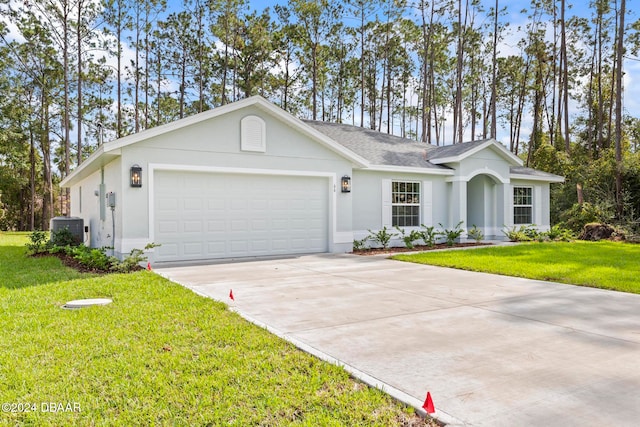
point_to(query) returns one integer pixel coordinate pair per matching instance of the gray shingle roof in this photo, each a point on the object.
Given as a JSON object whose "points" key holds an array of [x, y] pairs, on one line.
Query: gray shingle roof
{"points": [[521, 170], [387, 150], [378, 147], [454, 150]]}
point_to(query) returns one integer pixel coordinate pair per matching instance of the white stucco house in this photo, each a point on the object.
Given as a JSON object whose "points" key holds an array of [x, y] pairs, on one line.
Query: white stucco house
{"points": [[249, 179]]}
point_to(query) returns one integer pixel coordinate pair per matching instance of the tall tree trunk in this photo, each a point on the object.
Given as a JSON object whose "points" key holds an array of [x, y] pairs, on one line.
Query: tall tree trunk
{"points": [[32, 179], [600, 112], [494, 78], [119, 70], [136, 73], [426, 102], [67, 104], [362, 65], [619, 55], [79, 53], [45, 146]]}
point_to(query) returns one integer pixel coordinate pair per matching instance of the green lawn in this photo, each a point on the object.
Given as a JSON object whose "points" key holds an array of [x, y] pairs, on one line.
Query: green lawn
{"points": [[604, 264], [158, 355]]}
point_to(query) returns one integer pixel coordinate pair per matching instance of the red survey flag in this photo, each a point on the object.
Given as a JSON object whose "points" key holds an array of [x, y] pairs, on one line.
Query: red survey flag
{"points": [[428, 404]]}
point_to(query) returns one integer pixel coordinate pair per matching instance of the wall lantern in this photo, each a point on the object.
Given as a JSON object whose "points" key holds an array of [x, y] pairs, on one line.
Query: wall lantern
{"points": [[136, 176], [346, 184]]}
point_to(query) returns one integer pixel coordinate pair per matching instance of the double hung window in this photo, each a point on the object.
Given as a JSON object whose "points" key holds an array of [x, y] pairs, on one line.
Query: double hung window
{"points": [[405, 204], [522, 205]]}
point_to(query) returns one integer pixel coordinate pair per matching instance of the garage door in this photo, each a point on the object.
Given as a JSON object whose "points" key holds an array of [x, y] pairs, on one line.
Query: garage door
{"points": [[208, 215]]}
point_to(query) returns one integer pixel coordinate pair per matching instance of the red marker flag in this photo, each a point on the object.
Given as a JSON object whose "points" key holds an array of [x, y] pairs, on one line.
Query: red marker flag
{"points": [[231, 295], [428, 404]]}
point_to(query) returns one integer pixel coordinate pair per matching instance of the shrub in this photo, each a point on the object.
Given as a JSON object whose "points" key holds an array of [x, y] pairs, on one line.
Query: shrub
{"points": [[580, 215], [452, 234], [37, 242], [524, 233], [476, 234], [64, 237], [408, 239], [429, 235], [360, 245], [96, 259], [132, 261], [559, 233], [382, 237]]}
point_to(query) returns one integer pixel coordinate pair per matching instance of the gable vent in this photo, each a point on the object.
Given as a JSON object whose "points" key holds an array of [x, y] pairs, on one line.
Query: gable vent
{"points": [[253, 135]]}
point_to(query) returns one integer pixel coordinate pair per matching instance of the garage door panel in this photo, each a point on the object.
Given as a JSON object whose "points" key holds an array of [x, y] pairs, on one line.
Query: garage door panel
{"points": [[260, 204], [259, 225], [279, 244], [259, 245], [239, 225], [279, 225], [167, 227], [208, 215], [239, 247], [192, 204], [192, 248], [215, 225], [165, 204], [239, 204]]}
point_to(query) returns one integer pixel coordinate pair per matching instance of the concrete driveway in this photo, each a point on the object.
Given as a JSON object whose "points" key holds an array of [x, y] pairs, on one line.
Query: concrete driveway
{"points": [[491, 350]]}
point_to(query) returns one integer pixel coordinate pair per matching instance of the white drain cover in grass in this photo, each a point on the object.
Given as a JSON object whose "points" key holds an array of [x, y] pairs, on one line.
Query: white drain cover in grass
{"points": [[81, 303]]}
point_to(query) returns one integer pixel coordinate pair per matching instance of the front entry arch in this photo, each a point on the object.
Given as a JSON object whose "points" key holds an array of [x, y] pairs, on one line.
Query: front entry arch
{"points": [[482, 205]]}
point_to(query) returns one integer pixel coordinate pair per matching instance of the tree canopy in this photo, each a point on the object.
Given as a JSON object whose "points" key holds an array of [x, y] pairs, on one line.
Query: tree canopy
{"points": [[77, 72]]}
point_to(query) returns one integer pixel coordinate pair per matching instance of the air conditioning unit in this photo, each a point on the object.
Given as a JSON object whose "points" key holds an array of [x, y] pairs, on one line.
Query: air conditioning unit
{"points": [[74, 224]]}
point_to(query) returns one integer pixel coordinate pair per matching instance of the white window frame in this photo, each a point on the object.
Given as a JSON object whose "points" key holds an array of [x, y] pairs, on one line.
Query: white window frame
{"points": [[523, 205], [412, 203]]}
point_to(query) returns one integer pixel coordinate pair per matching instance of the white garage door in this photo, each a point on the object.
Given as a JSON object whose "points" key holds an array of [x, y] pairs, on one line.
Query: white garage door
{"points": [[210, 215]]}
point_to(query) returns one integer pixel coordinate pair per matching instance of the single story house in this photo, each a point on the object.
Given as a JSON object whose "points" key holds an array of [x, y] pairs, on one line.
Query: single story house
{"points": [[249, 179]]}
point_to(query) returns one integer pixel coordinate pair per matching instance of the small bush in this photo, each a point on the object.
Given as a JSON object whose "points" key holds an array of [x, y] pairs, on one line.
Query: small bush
{"points": [[452, 234], [360, 245], [64, 237], [38, 242], [580, 215], [429, 235], [476, 234], [96, 259], [558, 233], [132, 261], [382, 237], [524, 233], [410, 238]]}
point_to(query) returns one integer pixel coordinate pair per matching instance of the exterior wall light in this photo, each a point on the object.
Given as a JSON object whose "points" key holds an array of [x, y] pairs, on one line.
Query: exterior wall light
{"points": [[136, 176], [346, 184]]}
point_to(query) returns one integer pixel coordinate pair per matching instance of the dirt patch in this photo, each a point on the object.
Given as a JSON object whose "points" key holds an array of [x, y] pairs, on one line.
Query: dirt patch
{"points": [[419, 248], [596, 231]]}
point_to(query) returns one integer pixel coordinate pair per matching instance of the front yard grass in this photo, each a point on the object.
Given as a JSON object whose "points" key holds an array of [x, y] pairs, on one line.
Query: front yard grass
{"points": [[158, 355], [604, 264]]}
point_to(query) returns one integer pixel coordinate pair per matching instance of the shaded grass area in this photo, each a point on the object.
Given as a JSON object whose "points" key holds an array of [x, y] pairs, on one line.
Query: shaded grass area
{"points": [[604, 264], [158, 355]]}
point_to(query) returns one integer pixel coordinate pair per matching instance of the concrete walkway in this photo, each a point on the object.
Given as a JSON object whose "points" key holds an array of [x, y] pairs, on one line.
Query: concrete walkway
{"points": [[492, 350]]}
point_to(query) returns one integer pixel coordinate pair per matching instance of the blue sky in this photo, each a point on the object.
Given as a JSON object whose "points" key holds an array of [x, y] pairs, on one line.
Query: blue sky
{"points": [[517, 18]]}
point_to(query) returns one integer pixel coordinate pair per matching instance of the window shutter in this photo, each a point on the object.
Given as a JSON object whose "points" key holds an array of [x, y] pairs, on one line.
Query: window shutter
{"points": [[537, 205], [386, 203], [427, 203]]}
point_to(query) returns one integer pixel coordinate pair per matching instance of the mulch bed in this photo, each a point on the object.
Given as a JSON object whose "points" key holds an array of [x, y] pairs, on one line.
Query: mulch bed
{"points": [[418, 248], [71, 262]]}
